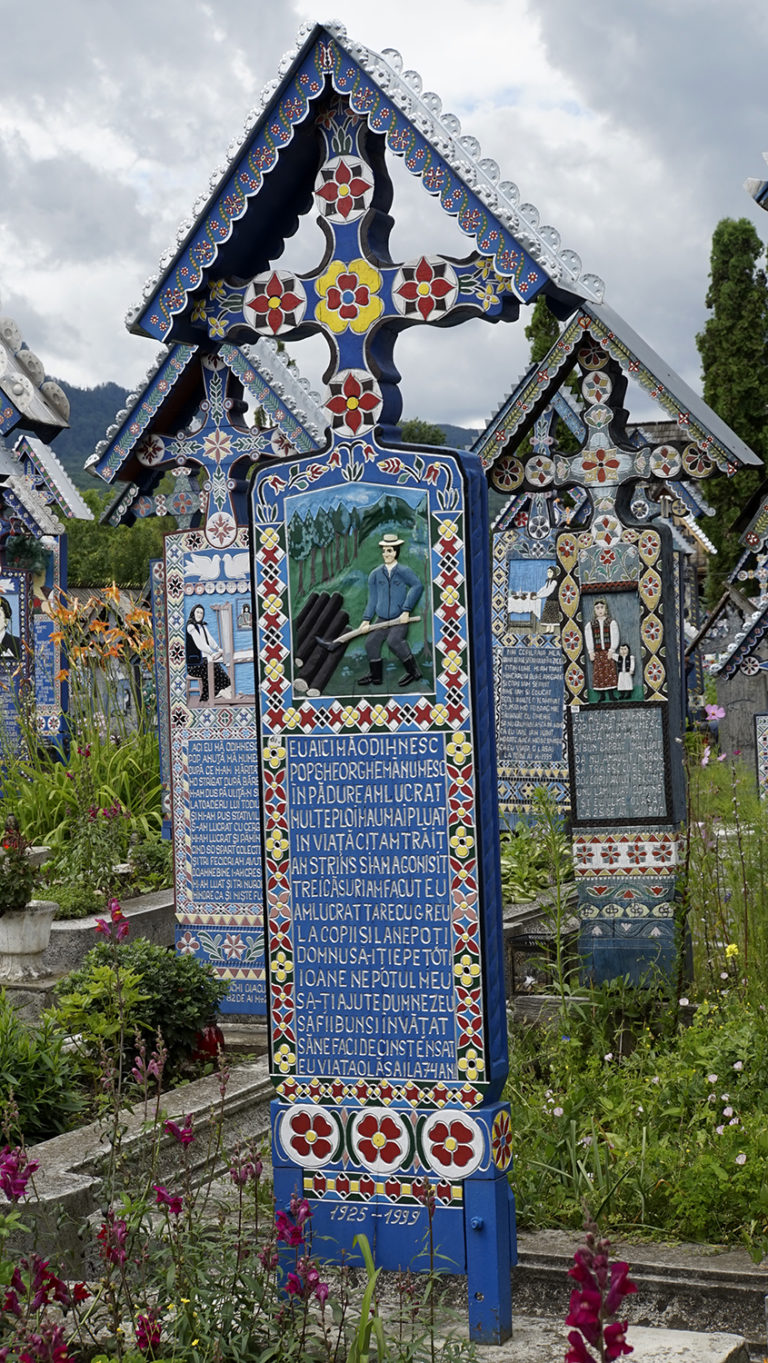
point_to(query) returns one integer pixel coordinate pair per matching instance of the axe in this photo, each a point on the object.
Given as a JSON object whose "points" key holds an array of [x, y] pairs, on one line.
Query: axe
{"points": [[355, 633]]}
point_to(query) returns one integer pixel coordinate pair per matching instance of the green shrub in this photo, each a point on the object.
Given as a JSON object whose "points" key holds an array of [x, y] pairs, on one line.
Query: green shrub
{"points": [[160, 991], [76, 901], [37, 1073], [151, 863]]}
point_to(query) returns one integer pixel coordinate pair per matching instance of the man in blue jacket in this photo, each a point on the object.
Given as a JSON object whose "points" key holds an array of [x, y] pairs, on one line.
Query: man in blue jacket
{"points": [[393, 590]]}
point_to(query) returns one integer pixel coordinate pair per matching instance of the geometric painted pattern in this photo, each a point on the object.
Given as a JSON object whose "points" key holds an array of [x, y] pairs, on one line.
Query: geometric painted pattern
{"points": [[761, 748], [444, 711]]}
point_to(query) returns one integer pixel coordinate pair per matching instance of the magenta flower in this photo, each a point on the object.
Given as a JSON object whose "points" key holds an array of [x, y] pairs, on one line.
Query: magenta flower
{"points": [[287, 1232], [113, 1235], [16, 1169], [166, 1199], [602, 1289], [183, 1134], [714, 711], [148, 1332], [118, 927]]}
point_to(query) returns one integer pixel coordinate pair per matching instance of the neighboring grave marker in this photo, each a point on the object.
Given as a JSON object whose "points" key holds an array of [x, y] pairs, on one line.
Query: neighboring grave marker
{"points": [[761, 754]]}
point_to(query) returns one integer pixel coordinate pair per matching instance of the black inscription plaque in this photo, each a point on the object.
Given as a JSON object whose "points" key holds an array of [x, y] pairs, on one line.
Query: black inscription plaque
{"points": [[618, 766]]}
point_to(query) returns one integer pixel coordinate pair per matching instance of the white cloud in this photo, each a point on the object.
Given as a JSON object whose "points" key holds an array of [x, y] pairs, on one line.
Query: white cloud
{"points": [[630, 127]]}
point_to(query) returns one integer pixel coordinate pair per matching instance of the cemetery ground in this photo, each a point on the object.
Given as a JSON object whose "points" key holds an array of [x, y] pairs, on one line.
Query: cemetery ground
{"points": [[647, 1106]]}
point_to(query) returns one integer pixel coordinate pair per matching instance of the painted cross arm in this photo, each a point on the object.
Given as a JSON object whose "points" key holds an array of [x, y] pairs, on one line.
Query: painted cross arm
{"points": [[280, 138]]}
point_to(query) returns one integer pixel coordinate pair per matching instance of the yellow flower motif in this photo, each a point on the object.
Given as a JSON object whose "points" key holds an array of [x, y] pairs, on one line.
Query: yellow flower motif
{"points": [[281, 967], [198, 311], [269, 538], [284, 1058], [459, 748], [274, 754], [439, 714], [216, 327], [447, 530], [291, 718], [466, 970], [274, 668], [487, 298], [731, 950], [472, 1065], [349, 294], [462, 842], [349, 715], [378, 715], [450, 596], [277, 845], [273, 603], [452, 663], [217, 289]]}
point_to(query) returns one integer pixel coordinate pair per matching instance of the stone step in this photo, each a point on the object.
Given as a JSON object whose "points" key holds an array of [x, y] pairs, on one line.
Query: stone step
{"points": [[543, 1341], [680, 1287]]}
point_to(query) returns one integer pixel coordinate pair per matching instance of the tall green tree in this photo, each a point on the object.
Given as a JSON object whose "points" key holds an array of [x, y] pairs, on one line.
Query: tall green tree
{"points": [[102, 554], [734, 355], [542, 331]]}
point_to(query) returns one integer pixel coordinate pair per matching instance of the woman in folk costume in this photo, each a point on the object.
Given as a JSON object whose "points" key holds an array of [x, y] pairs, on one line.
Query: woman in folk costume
{"points": [[200, 645], [601, 635]]}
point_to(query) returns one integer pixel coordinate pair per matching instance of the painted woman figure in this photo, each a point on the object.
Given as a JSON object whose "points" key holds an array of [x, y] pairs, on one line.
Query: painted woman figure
{"points": [[10, 646], [601, 635], [550, 611], [625, 666], [200, 645]]}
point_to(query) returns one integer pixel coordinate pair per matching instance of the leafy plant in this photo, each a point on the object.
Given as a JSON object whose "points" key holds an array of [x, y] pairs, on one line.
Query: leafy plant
{"points": [[162, 992], [151, 863], [38, 1074], [17, 873]]}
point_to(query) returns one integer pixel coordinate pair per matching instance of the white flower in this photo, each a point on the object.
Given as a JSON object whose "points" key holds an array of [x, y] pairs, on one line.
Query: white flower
{"points": [[684, 1003], [609, 1056], [725, 1097], [655, 1079], [727, 1111], [557, 1112], [719, 1130], [741, 1159], [723, 974], [734, 1121], [711, 1098], [711, 1078], [640, 1109], [739, 1065]]}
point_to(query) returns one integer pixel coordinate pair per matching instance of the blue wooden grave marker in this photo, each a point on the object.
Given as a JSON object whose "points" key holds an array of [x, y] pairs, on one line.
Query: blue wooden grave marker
{"points": [[379, 804], [201, 607], [382, 891]]}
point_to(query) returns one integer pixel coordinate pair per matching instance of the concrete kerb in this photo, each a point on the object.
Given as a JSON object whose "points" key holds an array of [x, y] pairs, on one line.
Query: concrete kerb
{"points": [[69, 1185]]}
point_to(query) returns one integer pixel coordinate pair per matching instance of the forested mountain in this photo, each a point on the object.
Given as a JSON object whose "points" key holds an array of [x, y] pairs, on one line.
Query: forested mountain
{"points": [[92, 410]]}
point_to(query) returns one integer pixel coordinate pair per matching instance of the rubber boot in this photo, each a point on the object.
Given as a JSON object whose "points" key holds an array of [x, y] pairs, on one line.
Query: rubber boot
{"points": [[411, 673], [375, 676]]}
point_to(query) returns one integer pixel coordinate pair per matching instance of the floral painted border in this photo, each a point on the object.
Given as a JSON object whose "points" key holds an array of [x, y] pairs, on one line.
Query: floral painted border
{"points": [[449, 712]]}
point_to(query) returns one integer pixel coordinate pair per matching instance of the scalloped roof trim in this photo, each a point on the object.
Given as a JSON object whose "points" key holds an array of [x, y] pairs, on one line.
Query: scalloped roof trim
{"points": [[463, 153]]}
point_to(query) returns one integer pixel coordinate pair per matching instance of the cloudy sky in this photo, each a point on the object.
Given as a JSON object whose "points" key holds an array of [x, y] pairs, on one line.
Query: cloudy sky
{"points": [[630, 124]]}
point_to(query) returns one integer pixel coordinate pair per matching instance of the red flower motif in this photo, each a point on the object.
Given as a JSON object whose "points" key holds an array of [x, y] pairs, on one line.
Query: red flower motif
{"points": [[378, 1139], [310, 1135], [451, 1143], [353, 401], [344, 190], [425, 288], [603, 463], [347, 296], [276, 303]]}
